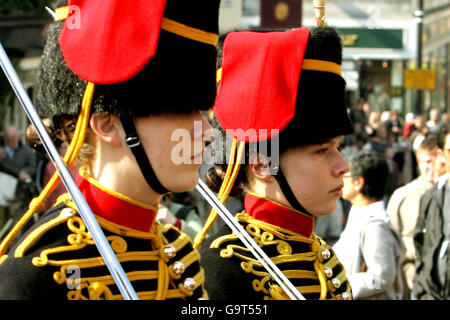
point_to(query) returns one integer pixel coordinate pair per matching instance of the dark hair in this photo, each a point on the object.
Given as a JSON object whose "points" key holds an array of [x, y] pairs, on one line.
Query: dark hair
{"points": [[373, 167], [443, 131], [429, 144]]}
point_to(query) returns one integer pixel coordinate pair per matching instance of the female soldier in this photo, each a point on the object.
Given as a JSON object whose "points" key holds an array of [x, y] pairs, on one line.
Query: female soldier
{"points": [[281, 91], [130, 53]]}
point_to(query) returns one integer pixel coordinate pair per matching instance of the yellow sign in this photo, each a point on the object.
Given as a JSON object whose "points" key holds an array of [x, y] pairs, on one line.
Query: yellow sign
{"points": [[420, 79]]}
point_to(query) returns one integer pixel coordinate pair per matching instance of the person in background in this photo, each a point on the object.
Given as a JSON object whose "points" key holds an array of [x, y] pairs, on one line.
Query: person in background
{"points": [[419, 133], [369, 247], [434, 120], [408, 126], [403, 206], [397, 126], [432, 233], [445, 118], [373, 123], [20, 160]]}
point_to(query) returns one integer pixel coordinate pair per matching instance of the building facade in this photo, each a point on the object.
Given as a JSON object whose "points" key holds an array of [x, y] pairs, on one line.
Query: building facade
{"points": [[380, 39]]}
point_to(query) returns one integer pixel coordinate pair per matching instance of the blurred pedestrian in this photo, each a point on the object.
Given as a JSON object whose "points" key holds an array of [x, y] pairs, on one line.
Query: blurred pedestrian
{"points": [[434, 120], [369, 247], [357, 114], [396, 125], [19, 161], [432, 233], [373, 123], [18, 158], [445, 118], [419, 132], [408, 128], [403, 206]]}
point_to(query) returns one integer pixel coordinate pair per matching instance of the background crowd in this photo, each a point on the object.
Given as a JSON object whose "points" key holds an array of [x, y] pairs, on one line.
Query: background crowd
{"points": [[402, 149]]}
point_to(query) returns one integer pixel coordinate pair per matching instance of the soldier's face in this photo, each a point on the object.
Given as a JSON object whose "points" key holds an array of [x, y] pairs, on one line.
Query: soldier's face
{"points": [[315, 175], [174, 146]]}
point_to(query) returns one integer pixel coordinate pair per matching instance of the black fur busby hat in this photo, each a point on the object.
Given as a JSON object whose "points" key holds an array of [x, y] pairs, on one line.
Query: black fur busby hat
{"points": [[321, 108], [317, 108], [144, 57]]}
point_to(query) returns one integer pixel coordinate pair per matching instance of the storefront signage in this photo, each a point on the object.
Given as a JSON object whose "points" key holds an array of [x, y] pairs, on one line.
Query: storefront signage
{"points": [[371, 38]]}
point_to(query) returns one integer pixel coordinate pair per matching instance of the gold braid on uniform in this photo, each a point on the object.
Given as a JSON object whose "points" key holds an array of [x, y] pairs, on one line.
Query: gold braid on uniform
{"points": [[168, 274], [309, 263]]}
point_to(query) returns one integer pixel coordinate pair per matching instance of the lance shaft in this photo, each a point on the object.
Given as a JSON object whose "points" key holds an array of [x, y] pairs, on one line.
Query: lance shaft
{"points": [[86, 214]]}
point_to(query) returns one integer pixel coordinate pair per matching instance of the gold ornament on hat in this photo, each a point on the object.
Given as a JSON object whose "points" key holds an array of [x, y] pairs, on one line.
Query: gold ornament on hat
{"points": [[319, 11]]}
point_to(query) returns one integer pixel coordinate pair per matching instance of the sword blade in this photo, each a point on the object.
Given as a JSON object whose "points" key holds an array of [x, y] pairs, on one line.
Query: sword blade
{"points": [[86, 214], [248, 241]]}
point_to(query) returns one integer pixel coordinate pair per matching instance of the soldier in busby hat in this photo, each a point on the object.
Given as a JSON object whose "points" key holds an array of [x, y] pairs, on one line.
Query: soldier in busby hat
{"points": [[117, 79], [281, 110]]}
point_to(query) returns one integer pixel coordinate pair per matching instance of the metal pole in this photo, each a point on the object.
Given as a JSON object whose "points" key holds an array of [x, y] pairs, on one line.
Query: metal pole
{"points": [[88, 217], [248, 241], [419, 14]]}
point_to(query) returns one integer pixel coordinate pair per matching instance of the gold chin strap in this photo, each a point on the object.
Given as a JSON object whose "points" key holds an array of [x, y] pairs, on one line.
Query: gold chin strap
{"points": [[70, 157], [225, 189]]}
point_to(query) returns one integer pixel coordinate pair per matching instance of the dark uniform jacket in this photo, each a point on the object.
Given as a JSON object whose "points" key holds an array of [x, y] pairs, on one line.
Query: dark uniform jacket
{"points": [[286, 236], [428, 236], [57, 258]]}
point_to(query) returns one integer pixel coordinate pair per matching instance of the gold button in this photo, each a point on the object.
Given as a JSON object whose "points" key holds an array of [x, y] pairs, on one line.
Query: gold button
{"points": [[189, 284], [170, 251], [326, 254], [345, 296], [178, 267], [336, 283]]}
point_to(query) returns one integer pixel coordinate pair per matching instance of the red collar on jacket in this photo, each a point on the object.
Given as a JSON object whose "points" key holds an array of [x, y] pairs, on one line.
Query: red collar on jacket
{"points": [[277, 214], [115, 207]]}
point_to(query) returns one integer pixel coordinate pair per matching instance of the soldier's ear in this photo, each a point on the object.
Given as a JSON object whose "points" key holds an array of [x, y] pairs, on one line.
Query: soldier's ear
{"points": [[259, 167], [107, 127]]}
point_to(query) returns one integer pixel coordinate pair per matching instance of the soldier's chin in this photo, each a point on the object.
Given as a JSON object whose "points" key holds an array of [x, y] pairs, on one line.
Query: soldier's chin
{"points": [[185, 182]]}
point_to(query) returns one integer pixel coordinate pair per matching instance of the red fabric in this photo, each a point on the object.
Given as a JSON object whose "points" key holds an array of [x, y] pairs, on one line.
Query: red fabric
{"points": [[178, 224], [407, 130], [115, 210], [110, 41], [260, 75], [278, 215]]}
